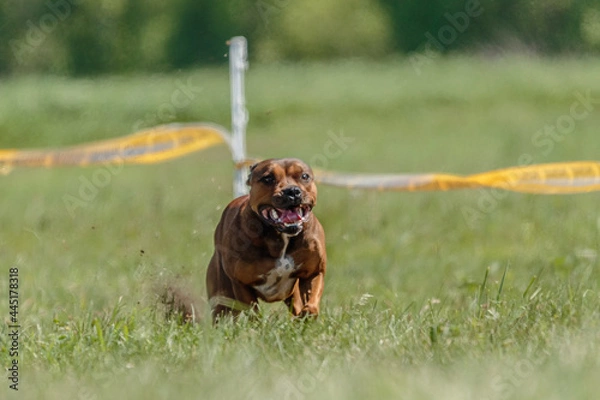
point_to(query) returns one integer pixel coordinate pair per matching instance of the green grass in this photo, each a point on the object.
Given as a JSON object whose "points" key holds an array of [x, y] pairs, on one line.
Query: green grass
{"points": [[420, 302]]}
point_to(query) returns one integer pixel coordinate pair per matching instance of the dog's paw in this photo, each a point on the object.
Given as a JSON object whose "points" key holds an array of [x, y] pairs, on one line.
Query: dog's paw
{"points": [[309, 310]]}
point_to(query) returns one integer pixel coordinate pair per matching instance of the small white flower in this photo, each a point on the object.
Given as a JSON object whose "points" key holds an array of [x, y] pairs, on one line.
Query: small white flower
{"points": [[364, 299]]}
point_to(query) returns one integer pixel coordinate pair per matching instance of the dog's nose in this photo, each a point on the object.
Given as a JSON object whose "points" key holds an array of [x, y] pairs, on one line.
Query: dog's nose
{"points": [[293, 193]]}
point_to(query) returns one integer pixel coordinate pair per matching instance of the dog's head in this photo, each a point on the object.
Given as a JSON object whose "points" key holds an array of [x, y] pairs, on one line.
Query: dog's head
{"points": [[282, 193]]}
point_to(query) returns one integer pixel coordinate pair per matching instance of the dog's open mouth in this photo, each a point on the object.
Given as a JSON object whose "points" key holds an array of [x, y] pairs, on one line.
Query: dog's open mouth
{"points": [[284, 220]]}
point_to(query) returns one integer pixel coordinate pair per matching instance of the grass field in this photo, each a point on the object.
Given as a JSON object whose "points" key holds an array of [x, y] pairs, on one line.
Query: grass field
{"points": [[458, 295]]}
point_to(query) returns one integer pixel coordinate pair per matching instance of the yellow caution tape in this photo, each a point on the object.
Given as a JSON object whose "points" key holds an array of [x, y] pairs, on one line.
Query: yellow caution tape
{"points": [[176, 140], [157, 144], [557, 178]]}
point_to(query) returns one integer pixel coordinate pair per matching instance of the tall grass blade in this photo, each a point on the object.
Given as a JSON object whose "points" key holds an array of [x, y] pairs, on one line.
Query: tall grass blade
{"points": [[502, 283]]}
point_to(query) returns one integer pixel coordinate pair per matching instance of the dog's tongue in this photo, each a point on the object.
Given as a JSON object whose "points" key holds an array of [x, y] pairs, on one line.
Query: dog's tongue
{"points": [[290, 216]]}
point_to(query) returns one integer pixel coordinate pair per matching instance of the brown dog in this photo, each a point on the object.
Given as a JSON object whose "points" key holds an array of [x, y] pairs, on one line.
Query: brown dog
{"points": [[268, 244]]}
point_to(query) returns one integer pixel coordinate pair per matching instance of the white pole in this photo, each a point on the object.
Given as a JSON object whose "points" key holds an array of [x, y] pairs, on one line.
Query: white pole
{"points": [[238, 63]]}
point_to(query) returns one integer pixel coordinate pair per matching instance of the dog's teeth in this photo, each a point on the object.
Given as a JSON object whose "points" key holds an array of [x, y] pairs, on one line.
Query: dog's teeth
{"points": [[274, 215], [301, 212]]}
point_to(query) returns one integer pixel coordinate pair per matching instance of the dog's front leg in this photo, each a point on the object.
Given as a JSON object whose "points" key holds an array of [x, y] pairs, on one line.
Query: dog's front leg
{"points": [[307, 296]]}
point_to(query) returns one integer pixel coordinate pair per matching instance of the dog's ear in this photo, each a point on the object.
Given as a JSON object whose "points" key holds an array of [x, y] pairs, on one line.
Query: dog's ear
{"points": [[250, 174]]}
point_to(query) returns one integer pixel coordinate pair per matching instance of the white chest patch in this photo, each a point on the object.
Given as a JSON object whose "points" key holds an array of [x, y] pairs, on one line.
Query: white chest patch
{"points": [[278, 283]]}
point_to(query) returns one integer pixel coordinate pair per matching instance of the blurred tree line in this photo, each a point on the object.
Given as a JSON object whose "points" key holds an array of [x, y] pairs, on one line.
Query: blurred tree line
{"points": [[81, 37]]}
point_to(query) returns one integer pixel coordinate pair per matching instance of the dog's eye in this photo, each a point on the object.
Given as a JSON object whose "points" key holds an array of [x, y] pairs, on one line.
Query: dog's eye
{"points": [[305, 177], [268, 179]]}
